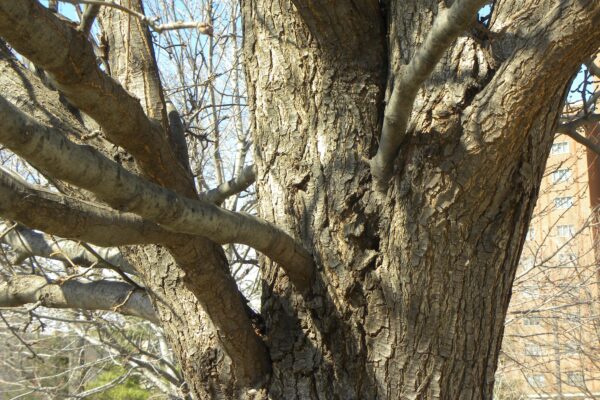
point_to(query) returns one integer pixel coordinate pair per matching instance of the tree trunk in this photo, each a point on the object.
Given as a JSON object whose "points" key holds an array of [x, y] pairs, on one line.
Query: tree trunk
{"points": [[413, 283], [189, 281], [413, 276]]}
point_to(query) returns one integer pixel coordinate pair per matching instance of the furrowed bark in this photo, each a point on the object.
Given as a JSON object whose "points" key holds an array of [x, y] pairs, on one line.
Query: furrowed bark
{"points": [[314, 113], [65, 53], [85, 167], [412, 285], [98, 295]]}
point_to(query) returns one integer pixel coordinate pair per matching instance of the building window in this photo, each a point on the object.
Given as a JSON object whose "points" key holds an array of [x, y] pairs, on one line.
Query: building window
{"points": [[530, 234], [536, 381], [575, 378], [565, 230], [533, 350], [527, 264], [531, 321], [561, 175], [560, 148], [567, 258], [574, 318], [531, 292], [563, 202], [572, 347]]}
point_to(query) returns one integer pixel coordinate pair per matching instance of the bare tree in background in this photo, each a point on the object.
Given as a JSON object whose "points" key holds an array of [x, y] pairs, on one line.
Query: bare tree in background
{"points": [[553, 326], [398, 150]]}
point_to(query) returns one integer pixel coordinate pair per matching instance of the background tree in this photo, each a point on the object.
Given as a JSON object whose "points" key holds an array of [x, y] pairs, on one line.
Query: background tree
{"points": [[552, 329], [398, 150]]}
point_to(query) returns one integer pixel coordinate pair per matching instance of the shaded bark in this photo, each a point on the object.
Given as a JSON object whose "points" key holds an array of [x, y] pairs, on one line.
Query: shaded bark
{"points": [[414, 283]]}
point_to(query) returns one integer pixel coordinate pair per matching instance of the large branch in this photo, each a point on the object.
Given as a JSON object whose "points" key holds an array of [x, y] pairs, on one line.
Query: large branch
{"points": [[67, 56], [75, 219], [446, 28], [99, 295], [28, 243], [49, 151]]}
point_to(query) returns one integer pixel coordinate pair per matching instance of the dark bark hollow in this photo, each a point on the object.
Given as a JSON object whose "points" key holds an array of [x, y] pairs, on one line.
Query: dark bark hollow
{"points": [[413, 284]]}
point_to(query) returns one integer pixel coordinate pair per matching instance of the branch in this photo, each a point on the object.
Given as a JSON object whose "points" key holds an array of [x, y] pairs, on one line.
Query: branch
{"points": [[68, 57], [177, 134], [446, 28], [49, 151], [152, 23], [592, 67], [98, 295], [590, 144], [569, 128], [573, 124], [234, 186], [88, 17], [75, 219], [28, 243]]}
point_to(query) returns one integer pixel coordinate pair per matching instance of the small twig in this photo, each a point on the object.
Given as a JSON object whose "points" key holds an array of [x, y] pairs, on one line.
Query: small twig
{"points": [[63, 279], [152, 23], [117, 307], [16, 334], [111, 266]]}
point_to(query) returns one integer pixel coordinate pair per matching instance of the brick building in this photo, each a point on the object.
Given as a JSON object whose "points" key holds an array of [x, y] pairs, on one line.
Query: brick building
{"points": [[551, 345]]}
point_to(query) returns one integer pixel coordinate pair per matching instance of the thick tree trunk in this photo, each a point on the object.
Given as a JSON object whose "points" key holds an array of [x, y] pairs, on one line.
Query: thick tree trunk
{"points": [[413, 283]]}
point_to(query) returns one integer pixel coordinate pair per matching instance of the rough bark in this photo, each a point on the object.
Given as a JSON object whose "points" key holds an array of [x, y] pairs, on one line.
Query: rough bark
{"points": [[414, 283]]}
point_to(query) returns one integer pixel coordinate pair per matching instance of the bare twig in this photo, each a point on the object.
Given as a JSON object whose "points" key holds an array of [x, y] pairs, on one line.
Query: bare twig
{"points": [[590, 144], [152, 23]]}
